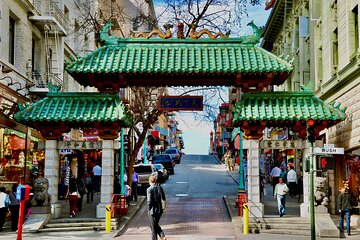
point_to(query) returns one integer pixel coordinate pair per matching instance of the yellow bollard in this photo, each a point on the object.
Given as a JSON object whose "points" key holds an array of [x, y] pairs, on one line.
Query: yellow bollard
{"points": [[108, 218], [246, 219]]}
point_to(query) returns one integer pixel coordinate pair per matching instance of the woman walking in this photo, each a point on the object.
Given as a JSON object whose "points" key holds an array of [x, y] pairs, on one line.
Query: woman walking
{"points": [[72, 195]]}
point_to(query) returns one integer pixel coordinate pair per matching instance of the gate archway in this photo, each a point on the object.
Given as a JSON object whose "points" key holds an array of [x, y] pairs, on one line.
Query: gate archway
{"points": [[239, 62]]}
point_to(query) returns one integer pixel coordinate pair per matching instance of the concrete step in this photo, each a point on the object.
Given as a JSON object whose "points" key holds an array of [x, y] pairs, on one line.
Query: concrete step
{"points": [[281, 231], [77, 224], [101, 228], [280, 226], [75, 219]]}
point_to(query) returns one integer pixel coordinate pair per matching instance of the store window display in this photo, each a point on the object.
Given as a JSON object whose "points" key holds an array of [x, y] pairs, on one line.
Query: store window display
{"points": [[16, 161], [352, 175]]}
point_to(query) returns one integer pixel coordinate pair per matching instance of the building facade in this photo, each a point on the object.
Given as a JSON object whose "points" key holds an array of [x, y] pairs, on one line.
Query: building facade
{"points": [[322, 38]]}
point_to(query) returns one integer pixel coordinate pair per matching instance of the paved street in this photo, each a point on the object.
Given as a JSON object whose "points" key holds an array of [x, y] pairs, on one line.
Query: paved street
{"points": [[196, 209]]}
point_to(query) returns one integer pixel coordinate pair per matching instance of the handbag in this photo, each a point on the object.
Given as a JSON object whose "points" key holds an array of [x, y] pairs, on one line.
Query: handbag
{"points": [[163, 204]]}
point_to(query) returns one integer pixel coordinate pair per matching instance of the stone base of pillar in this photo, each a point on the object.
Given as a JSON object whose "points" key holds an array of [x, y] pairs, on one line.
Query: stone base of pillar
{"points": [[55, 210], [305, 210], [100, 210], [256, 210]]}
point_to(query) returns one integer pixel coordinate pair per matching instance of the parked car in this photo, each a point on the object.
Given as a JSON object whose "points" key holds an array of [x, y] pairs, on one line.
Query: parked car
{"points": [[162, 172], [166, 161], [175, 154], [144, 171]]}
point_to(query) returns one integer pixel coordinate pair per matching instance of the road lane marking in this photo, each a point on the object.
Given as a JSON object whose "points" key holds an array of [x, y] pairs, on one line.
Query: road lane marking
{"points": [[182, 195]]}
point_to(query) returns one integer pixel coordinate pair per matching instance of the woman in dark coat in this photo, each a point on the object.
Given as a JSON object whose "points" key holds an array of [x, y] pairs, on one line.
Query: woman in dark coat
{"points": [[72, 195]]}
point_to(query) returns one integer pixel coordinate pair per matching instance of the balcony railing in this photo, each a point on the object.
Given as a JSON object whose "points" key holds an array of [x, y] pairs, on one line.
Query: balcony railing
{"points": [[41, 79], [50, 8]]}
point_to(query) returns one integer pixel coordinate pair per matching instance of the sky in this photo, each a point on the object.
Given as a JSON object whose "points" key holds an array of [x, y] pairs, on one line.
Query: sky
{"points": [[196, 134]]}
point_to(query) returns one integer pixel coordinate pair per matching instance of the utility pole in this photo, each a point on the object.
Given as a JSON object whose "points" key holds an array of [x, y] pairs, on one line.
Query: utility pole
{"points": [[312, 212]]}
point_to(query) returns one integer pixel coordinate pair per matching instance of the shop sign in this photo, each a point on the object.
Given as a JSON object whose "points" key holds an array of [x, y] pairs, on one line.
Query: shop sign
{"points": [[275, 144], [79, 145], [324, 150], [182, 103], [65, 151]]}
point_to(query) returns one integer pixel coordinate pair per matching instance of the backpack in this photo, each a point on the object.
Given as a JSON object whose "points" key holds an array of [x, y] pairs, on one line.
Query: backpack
{"points": [[81, 186]]}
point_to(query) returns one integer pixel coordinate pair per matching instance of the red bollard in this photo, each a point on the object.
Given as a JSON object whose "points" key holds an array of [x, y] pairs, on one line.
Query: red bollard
{"points": [[242, 199]]}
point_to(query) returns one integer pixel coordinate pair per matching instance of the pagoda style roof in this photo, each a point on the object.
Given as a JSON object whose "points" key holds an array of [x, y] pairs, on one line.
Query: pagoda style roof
{"points": [[122, 62], [66, 110], [291, 109]]}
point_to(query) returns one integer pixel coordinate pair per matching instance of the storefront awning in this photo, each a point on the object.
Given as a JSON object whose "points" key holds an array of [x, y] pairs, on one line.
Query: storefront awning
{"points": [[155, 134]]}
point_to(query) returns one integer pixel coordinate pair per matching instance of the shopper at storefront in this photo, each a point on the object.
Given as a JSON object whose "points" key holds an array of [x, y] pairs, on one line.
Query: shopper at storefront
{"points": [[81, 190], [135, 180], [14, 207]]}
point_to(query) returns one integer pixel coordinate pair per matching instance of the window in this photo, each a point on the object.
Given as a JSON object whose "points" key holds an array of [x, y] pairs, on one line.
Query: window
{"points": [[335, 48], [11, 40], [356, 28]]}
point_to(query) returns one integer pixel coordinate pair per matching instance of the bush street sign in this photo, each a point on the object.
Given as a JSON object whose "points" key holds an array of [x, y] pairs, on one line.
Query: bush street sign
{"points": [[181, 103], [324, 150]]}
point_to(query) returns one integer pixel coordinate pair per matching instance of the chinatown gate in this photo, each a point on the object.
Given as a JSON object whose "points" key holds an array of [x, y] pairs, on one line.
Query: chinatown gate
{"points": [[174, 61]]}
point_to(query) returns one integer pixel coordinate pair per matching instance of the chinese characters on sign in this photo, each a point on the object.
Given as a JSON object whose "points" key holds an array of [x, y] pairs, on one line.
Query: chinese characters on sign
{"points": [[79, 145], [277, 144], [173, 103]]}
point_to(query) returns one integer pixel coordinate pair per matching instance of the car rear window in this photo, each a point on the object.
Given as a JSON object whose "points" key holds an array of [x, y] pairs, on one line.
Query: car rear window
{"points": [[157, 166], [162, 157], [143, 169], [171, 151]]}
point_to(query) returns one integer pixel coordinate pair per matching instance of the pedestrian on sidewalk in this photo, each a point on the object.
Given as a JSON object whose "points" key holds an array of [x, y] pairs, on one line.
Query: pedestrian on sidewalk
{"points": [[72, 194], [280, 195], [4, 202], [275, 175], [135, 181], [97, 178], [345, 204], [155, 194], [81, 190], [14, 207], [90, 188], [292, 181]]}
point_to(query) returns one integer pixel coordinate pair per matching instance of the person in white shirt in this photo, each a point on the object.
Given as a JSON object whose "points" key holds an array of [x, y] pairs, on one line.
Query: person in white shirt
{"points": [[280, 195], [3, 207], [97, 178], [275, 175], [292, 181]]}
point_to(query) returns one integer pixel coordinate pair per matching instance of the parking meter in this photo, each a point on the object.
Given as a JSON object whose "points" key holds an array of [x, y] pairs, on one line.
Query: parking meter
{"points": [[23, 192]]}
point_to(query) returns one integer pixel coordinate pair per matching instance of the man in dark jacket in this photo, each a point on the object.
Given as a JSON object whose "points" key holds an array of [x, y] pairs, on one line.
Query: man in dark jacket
{"points": [[345, 206], [154, 195]]}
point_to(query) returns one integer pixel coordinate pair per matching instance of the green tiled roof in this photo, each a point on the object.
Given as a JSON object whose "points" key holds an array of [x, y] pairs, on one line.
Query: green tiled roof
{"points": [[75, 108], [285, 106], [179, 56]]}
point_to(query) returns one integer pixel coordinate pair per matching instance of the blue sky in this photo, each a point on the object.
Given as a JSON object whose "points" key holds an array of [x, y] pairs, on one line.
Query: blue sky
{"points": [[197, 135]]}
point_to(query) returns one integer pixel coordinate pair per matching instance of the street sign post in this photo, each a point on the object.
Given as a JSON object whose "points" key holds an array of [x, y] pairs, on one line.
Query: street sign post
{"points": [[326, 150]]}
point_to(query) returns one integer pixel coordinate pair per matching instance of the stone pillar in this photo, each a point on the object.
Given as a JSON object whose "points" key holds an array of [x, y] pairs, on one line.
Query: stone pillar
{"points": [[52, 174], [107, 177], [255, 206], [305, 206]]}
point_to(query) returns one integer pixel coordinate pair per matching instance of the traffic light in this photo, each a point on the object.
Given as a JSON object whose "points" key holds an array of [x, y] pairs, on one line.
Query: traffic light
{"points": [[326, 162], [311, 130]]}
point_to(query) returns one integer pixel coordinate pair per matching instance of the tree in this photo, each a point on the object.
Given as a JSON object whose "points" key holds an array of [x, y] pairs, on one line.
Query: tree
{"points": [[216, 15]]}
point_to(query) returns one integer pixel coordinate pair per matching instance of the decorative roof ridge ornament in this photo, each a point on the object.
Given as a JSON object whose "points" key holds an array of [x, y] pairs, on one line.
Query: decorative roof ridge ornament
{"points": [[180, 32], [195, 35], [255, 38], [167, 34], [53, 88], [105, 38]]}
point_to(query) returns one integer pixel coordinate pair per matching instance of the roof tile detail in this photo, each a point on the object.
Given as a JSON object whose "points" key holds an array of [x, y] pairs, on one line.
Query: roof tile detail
{"points": [[75, 108], [179, 56], [285, 106]]}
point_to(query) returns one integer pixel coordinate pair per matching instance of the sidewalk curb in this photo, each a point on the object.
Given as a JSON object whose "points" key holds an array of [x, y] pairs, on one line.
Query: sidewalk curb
{"points": [[235, 219], [124, 221]]}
